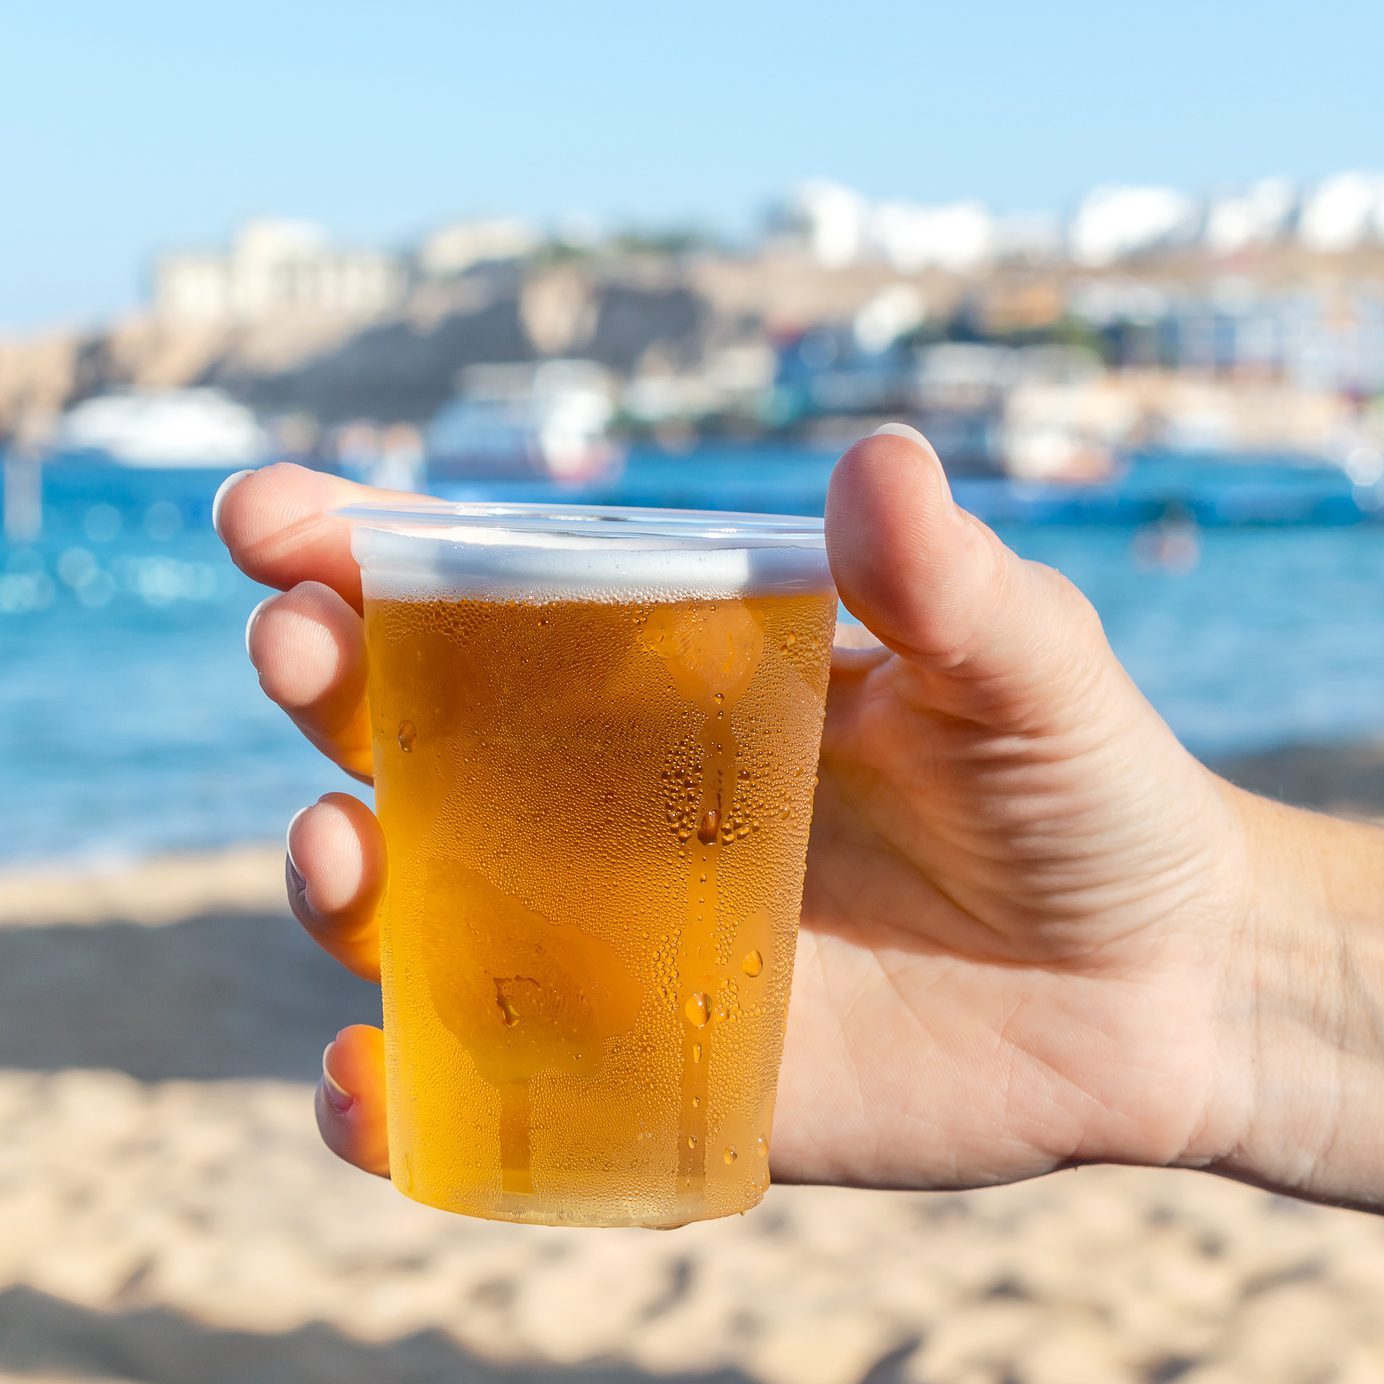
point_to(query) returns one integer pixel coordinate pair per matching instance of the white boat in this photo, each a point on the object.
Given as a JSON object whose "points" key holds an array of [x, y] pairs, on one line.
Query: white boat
{"points": [[549, 420], [172, 428]]}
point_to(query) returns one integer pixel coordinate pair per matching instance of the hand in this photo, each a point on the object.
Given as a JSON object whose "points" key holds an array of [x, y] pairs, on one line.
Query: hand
{"points": [[1033, 925]]}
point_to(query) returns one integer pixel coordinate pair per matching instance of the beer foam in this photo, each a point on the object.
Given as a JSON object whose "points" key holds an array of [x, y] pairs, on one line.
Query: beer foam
{"points": [[428, 561]]}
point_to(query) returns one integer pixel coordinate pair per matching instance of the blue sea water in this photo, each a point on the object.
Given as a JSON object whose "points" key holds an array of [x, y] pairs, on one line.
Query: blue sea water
{"points": [[130, 720]]}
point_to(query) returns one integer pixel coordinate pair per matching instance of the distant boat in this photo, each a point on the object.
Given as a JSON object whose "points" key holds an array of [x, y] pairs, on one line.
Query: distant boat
{"points": [[507, 421], [983, 442], [173, 428]]}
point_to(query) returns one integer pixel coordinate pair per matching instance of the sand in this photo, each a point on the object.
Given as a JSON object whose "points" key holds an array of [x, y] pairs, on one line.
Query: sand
{"points": [[168, 1215]]}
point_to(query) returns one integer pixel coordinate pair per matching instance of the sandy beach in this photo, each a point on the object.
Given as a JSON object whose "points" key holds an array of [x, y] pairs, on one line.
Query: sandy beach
{"points": [[168, 1216]]}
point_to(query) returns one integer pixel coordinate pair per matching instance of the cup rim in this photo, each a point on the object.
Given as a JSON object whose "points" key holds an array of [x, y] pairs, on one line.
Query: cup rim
{"points": [[623, 526]]}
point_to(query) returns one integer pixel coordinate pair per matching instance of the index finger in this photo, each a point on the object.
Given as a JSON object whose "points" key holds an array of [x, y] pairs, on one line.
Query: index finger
{"points": [[279, 527]]}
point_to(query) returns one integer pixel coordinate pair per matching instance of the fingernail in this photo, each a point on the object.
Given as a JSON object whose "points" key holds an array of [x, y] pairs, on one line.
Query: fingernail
{"points": [[250, 623], [288, 846], [901, 430], [338, 1097], [222, 490]]}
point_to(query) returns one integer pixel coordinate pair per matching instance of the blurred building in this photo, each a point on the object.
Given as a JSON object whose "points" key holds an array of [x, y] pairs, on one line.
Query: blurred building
{"points": [[1263, 214], [824, 220], [1343, 211], [463, 245], [1112, 223], [836, 226], [274, 268], [1303, 337]]}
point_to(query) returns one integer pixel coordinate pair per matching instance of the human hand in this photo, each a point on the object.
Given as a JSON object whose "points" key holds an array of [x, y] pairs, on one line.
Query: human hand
{"points": [[1032, 925]]}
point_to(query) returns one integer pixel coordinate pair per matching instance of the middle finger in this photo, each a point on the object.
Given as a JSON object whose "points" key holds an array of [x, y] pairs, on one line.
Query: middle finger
{"points": [[308, 647]]}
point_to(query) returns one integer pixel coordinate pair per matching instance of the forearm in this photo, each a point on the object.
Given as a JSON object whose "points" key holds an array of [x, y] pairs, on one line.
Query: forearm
{"points": [[1303, 1033]]}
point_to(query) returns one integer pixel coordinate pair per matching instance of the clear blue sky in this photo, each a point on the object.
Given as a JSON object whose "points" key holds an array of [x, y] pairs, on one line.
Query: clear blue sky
{"points": [[126, 127]]}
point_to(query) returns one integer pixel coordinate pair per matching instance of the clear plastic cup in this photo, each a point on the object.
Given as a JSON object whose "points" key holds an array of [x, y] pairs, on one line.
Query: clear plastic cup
{"points": [[595, 735]]}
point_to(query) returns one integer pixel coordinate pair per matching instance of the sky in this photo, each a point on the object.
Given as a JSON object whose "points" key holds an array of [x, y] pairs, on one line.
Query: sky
{"points": [[127, 128]]}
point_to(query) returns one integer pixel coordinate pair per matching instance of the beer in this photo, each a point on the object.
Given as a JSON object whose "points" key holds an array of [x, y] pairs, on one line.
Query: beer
{"points": [[595, 789]]}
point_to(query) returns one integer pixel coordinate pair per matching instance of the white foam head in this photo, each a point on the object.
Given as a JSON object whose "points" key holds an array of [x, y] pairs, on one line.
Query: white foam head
{"points": [[541, 553]]}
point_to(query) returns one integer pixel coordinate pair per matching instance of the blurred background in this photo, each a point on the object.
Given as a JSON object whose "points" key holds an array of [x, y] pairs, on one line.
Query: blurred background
{"points": [[1128, 277]]}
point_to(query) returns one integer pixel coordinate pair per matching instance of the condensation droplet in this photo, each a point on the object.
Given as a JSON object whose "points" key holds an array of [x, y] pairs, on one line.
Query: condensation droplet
{"points": [[729, 1156], [691, 1141], [696, 1102], [720, 698], [706, 832], [696, 1052], [698, 1010], [761, 1146], [509, 1015], [790, 640], [408, 736], [752, 963]]}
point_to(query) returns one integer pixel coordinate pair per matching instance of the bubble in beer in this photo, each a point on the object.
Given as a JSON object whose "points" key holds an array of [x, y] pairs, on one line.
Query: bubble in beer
{"points": [[706, 832], [408, 735], [729, 1156], [753, 963], [698, 1011]]}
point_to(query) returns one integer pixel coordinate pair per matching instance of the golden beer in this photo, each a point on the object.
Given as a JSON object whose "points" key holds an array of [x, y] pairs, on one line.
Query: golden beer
{"points": [[596, 794]]}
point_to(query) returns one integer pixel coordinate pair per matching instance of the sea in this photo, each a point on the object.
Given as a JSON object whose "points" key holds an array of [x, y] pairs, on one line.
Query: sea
{"points": [[1246, 599]]}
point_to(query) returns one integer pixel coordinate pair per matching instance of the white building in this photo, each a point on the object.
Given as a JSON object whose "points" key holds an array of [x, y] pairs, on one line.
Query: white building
{"points": [[956, 236], [1260, 215], [824, 219], [1343, 211], [453, 249], [837, 226], [274, 268], [1112, 222]]}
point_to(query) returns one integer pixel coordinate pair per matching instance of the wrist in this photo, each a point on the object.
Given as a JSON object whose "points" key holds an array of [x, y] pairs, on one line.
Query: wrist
{"points": [[1301, 1032]]}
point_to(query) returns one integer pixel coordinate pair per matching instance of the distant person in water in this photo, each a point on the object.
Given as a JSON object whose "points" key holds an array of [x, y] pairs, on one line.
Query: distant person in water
{"points": [[1171, 542], [1036, 931]]}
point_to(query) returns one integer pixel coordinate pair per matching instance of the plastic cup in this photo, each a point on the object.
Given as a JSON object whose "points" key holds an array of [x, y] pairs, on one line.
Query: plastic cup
{"points": [[595, 733]]}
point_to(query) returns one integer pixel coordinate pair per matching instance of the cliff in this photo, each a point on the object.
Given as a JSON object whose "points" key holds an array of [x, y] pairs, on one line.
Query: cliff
{"points": [[395, 368]]}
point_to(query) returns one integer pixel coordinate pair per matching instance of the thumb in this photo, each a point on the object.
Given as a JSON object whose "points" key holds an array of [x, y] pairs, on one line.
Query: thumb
{"points": [[986, 632]]}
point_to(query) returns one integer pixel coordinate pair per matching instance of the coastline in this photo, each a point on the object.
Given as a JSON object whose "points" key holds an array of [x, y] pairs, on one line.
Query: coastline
{"points": [[170, 1214]]}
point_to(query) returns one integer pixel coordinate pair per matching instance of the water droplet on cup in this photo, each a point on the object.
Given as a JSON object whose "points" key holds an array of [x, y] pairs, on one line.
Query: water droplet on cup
{"points": [[696, 1052], [408, 734], [728, 1157], [698, 1010], [761, 1146], [706, 832], [691, 1141], [752, 964]]}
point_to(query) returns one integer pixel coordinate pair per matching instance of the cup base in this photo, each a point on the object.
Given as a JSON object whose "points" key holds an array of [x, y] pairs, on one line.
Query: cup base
{"points": [[531, 1210]]}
